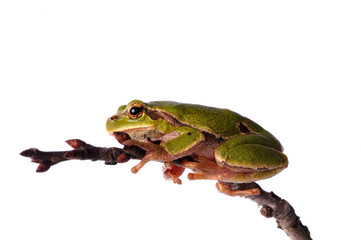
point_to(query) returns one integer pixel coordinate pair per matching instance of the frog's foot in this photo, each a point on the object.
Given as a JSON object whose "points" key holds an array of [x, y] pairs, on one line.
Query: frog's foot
{"points": [[172, 172], [153, 152], [226, 189], [149, 156]]}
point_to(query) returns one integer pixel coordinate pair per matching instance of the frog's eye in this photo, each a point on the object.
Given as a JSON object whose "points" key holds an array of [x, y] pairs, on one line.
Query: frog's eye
{"points": [[135, 111]]}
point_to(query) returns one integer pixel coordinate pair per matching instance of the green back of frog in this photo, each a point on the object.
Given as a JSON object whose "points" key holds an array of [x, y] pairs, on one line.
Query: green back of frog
{"points": [[220, 122]]}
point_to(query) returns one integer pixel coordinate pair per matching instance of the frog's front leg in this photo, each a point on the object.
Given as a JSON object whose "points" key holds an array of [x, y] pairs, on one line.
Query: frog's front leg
{"points": [[174, 145], [147, 157], [182, 142], [153, 152]]}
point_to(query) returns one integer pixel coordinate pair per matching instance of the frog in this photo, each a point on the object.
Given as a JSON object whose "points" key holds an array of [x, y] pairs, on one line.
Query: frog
{"points": [[213, 143]]}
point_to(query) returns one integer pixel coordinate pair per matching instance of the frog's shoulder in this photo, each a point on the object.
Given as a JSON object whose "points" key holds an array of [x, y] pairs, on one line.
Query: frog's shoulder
{"points": [[218, 121]]}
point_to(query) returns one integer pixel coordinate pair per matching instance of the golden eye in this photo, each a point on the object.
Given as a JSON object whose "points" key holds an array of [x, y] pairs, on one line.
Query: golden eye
{"points": [[135, 111]]}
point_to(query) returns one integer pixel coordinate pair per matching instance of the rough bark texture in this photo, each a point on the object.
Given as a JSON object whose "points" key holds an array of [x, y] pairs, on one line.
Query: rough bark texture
{"points": [[82, 151], [280, 209], [271, 204]]}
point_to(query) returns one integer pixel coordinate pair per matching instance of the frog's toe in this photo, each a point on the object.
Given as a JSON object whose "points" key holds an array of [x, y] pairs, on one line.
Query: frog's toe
{"points": [[142, 162], [172, 172], [226, 189]]}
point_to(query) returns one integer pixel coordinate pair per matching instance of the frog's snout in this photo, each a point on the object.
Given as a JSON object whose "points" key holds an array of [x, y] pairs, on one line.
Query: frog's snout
{"points": [[115, 117], [110, 123]]}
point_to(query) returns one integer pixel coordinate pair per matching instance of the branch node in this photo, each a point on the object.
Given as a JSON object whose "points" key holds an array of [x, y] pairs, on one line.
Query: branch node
{"points": [[266, 211]]}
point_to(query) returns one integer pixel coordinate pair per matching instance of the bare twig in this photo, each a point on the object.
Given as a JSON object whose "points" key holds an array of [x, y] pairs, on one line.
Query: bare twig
{"points": [[272, 205], [280, 209], [82, 151]]}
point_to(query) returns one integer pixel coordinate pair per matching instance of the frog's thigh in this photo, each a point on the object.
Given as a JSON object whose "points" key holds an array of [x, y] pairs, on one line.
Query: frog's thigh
{"points": [[238, 155]]}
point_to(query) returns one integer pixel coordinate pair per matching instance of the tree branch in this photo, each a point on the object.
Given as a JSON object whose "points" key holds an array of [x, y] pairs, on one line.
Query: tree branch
{"points": [[280, 209], [272, 205], [82, 151]]}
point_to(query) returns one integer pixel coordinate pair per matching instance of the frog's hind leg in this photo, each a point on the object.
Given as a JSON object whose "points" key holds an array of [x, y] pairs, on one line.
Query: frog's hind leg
{"points": [[203, 168], [226, 189], [201, 176], [250, 158]]}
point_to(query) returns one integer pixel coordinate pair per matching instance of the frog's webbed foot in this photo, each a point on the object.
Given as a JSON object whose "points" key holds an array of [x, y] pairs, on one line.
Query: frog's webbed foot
{"points": [[226, 189], [172, 172]]}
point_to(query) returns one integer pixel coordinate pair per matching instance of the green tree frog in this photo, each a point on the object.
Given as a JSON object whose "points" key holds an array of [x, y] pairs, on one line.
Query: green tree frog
{"points": [[214, 143]]}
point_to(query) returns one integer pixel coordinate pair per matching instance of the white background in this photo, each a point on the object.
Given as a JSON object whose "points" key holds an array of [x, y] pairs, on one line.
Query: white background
{"points": [[66, 66]]}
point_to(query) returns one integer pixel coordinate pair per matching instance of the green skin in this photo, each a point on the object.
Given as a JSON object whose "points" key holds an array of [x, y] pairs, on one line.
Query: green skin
{"points": [[215, 143]]}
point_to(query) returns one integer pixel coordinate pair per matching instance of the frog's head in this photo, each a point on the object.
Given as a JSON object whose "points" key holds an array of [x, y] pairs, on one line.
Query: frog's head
{"points": [[136, 121]]}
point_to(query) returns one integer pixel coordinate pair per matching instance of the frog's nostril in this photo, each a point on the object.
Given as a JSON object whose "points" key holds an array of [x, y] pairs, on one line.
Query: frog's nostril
{"points": [[114, 117]]}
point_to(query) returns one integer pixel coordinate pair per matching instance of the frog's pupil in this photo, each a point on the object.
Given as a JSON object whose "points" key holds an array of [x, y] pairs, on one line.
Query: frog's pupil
{"points": [[135, 110]]}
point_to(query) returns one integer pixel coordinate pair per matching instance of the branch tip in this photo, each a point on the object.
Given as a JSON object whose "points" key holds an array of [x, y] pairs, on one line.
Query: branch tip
{"points": [[29, 152], [76, 143]]}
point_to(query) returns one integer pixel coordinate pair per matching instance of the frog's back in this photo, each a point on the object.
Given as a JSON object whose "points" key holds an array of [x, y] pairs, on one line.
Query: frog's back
{"points": [[220, 122]]}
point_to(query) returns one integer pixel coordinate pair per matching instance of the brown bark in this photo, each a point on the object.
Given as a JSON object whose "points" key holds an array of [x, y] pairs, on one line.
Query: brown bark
{"points": [[271, 204], [278, 208]]}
